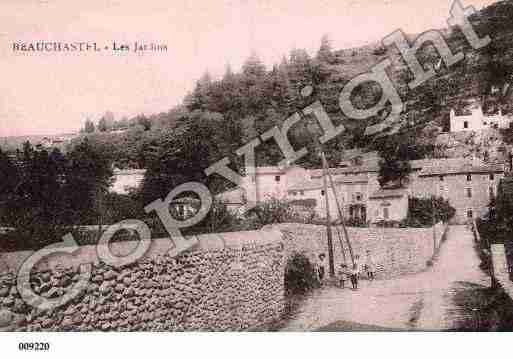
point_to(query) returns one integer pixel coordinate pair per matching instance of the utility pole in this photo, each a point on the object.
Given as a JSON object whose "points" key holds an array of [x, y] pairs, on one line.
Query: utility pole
{"points": [[340, 213], [433, 208], [328, 218]]}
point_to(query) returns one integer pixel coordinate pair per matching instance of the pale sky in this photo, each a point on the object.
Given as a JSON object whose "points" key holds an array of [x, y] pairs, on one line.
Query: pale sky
{"points": [[48, 93]]}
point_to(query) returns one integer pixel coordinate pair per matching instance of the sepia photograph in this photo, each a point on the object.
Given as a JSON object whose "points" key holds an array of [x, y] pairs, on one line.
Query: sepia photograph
{"points": [[248, 166]]}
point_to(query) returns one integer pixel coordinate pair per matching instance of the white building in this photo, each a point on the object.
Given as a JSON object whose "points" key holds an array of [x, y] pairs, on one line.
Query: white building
{"points": [[124, 180], [477, 121], [273, 182]]}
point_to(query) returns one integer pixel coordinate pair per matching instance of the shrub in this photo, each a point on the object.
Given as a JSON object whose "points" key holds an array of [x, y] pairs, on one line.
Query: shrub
{"points": [[388, 224], [356, 222], [271, 211], [300, 274], [420, 211]]}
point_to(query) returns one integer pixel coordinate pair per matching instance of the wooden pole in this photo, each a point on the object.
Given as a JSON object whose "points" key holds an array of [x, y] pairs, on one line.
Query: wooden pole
{"points": [[328, 221], [340, 213], [341, 245], [433, 209]]}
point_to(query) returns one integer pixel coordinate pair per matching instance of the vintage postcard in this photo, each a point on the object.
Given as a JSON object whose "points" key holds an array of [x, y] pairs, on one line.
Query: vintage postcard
{"points": [[269, 166]]}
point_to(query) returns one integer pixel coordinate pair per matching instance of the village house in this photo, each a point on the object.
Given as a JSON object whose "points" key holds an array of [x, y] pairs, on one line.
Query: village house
{"points": [[468, 185], [273, 182], [125, 180], [477, 121]]}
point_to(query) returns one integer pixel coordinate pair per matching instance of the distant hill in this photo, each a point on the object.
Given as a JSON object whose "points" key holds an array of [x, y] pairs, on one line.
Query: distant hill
{"points": [[11, 143], [257, 98]]}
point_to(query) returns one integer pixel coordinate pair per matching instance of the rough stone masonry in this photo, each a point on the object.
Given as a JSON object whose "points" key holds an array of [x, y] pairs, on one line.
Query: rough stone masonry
{"points": [[396, 251], [232, 281]]}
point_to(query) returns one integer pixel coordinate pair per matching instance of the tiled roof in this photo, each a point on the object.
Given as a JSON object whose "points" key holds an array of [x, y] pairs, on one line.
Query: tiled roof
{"points": [[458, 166], [359, 178], [389, 193], [420, 164], [318, 183], [270, 170], [312, 184], [351, 169]]}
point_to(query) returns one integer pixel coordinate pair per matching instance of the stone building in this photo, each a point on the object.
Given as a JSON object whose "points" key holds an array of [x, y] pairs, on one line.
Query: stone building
{"points": [[468, 185], [477, 121]]}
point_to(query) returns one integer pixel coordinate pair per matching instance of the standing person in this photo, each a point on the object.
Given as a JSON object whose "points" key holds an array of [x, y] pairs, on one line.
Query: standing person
{"points": [[354, 276], [321, 269], [370, 267], [358, 263], [342, 275]]}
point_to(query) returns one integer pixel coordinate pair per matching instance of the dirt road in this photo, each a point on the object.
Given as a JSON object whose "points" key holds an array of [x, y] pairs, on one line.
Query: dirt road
{"points": [[423, 301]]}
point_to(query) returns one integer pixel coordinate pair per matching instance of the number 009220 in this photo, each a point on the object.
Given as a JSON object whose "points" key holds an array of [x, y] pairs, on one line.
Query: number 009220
{"points": [[34, 346]]}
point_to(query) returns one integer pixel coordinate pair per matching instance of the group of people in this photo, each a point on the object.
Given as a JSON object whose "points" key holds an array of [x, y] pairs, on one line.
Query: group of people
{"points": [[353, 272]]}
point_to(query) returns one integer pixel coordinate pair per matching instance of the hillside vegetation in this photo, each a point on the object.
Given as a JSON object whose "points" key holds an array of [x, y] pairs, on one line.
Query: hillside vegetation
{"points": [[220, 115]]}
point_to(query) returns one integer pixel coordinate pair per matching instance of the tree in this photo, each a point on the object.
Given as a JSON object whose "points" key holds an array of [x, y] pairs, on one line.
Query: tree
{"points": [[102, 125], [89, 126], [398, 150], [271, 211], [253, 68], [88, 179], [200, 96], [422, 211], [183, 154], [28, 152], [109, 119], [36, 208], [325, 53], [9, 176], [144, 121], [394, 168], [218, 219]]}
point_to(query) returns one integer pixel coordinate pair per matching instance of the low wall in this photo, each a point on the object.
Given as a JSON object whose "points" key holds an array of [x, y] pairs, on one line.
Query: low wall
{"points": [[230, 281], [500, 268], [395, 251]]}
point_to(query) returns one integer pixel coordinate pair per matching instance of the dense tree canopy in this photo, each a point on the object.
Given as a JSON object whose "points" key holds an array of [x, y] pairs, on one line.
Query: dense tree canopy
{"points": [[45, 194]]}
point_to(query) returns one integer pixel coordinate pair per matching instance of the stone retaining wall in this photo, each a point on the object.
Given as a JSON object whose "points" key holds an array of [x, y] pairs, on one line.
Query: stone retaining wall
{"points": [[395, 251], [232, 281], [500, 268]]}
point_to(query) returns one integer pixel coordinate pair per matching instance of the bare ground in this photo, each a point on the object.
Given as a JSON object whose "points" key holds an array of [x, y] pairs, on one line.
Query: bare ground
{"points": [[436, 299]]}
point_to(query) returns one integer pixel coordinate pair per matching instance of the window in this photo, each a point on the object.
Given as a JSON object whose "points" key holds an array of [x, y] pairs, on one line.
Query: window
{"points": [[441, 178], [277, 178], [302, 193], [470, 213], [293, 193], [469, 192], [385, 213], [469, 177], [491, 192], [322, 192], [465, 124], [358, 197], [492, 176]]}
